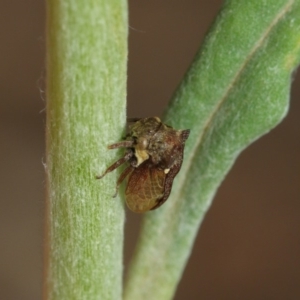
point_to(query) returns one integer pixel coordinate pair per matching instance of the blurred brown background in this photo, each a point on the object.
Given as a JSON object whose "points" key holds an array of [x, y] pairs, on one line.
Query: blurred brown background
{"points": [[249, 244]]}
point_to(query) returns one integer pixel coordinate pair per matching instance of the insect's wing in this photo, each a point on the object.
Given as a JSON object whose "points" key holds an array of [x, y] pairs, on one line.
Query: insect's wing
{"points": [[176, 165], [145, 186], [167, 187]]}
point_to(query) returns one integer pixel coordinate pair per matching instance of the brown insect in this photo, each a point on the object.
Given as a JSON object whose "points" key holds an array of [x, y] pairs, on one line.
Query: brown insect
{"points": [[154, 153]]}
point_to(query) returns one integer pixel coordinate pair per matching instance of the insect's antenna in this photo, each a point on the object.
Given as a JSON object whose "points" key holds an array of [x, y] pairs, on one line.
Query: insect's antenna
{"points": [[133, 120]]}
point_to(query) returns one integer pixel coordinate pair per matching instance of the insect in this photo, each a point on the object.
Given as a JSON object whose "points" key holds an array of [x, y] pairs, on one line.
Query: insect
{"points": [[154, 152]]}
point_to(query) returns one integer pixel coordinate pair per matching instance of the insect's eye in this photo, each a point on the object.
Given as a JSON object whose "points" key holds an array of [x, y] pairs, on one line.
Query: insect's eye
{"points": [[134, 138], [143, 143], [133, 161]]}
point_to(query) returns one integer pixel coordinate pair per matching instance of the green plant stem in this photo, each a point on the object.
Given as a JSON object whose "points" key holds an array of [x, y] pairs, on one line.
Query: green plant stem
{"points": [[86, 100], [236, 90]]}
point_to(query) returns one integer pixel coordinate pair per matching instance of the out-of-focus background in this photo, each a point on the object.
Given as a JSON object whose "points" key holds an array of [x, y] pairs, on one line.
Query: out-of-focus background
{"points": [[249, 244]]}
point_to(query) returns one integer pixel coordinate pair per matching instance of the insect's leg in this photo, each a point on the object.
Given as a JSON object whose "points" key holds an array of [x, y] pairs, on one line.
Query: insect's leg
{"points": [[123, 175], [115, 165], [122, 144]]}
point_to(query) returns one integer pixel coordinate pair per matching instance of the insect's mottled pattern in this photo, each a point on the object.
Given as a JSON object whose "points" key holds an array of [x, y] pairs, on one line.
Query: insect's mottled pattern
{"points": [[154, 153], [152, 180]]}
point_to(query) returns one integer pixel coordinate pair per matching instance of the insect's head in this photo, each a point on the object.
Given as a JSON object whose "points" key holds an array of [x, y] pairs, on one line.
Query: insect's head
{"points": [[141, 132]]}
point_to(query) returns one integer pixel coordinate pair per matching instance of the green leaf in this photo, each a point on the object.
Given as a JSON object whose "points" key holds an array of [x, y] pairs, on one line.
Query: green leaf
{"points": [[236, 90], [86, 102]]}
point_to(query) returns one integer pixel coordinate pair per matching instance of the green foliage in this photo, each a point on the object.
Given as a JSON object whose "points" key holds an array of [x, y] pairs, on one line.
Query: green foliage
{"points": [[86, 97], [236, 90]]}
